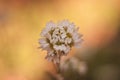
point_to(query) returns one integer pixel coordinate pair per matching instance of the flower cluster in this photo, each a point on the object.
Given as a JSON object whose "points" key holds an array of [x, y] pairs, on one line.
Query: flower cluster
{"points": [[58, 39]]}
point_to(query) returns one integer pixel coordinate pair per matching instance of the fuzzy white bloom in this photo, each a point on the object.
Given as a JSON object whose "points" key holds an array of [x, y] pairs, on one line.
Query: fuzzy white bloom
{"points": [[58, 39], [75, 64]]}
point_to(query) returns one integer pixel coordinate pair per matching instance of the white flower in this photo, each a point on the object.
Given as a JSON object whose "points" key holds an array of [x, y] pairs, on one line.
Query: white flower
{"points": [[49, 26], [44, 44], [68, 40], [75, 64], [58, 39], [67, 49]]}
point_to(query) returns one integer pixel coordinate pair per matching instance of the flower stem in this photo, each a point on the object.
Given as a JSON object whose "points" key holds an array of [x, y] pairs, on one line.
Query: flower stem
{"points": [[58, 75], [58, 67]]}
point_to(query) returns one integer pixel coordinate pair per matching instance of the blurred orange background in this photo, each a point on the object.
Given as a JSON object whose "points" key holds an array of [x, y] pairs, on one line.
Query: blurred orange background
{"points": [[21, 22]]}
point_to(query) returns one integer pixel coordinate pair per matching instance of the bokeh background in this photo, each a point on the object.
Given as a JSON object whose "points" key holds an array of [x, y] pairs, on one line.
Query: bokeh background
{"points": [[21, 22]]}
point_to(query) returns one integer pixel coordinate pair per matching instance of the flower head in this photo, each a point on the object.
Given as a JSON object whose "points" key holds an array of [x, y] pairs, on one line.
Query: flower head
{"points": [[58, 39]]}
